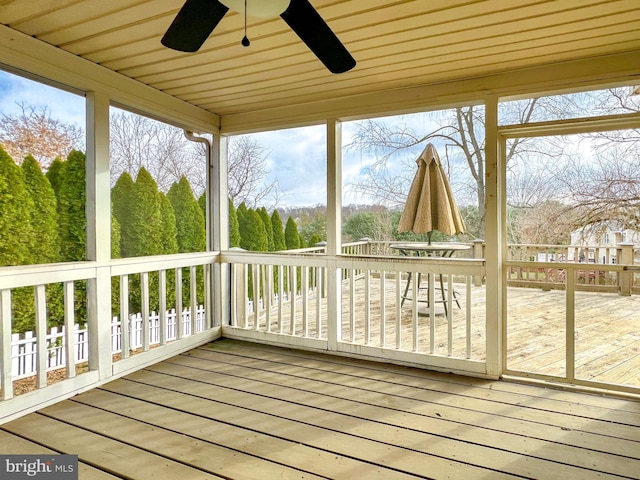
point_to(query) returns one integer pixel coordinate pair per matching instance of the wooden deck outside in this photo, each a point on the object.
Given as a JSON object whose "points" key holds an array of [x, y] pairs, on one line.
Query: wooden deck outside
{"points": [[236, 410], [607, 329]]}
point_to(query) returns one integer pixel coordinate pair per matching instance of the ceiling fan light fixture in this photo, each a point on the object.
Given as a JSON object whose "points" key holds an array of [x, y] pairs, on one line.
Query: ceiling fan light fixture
{"points": [[258, 8]]}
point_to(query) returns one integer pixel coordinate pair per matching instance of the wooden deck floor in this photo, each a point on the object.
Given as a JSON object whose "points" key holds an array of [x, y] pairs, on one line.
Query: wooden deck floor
{"points": [[237, 410]]}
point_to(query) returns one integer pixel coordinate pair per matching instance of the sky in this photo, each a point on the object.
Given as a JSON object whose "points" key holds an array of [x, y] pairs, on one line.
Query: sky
{"points": [[296, 157]]}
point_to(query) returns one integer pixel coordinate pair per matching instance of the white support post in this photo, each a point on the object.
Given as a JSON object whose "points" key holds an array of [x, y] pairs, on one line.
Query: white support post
{"points": [[495, 224], [219, 223], [98, 208], [334, 232]]}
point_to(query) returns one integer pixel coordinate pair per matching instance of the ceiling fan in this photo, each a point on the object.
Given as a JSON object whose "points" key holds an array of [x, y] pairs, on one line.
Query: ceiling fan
{"points": [[198, 18]]}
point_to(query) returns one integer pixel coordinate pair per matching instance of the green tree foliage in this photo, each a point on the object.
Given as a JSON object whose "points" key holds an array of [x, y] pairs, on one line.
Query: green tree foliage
{"points": [[266, 221], [278, 232], [54, 174], [16, 211], [44, 220], [168, 226], [361, 225], [291, 235], [234, 226], [253, 235], [71, 199], [146, 217], [202, 202], [115, 238], [16, 237], [46, 248], [188, 217], [122, 199]]}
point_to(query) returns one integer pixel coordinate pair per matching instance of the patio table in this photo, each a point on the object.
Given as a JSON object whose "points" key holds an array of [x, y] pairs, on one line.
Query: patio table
{"points": [[425, 249]]}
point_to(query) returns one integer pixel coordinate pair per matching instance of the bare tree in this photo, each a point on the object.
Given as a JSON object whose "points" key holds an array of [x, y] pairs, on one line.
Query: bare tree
{"points": [[33, 131], [248, 168], [462, 136], [606, 186], [162, 149], [546, 222]]}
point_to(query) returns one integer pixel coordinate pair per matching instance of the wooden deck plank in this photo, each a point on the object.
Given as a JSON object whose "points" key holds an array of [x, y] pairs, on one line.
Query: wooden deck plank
{"points": [[236, 410], [115, 456], [456, 408], [192, 418], [367, 423], [519, 437], [545, 399], [201, 399], [170, 441], [492, 450], [334, 432], [15, 445]]}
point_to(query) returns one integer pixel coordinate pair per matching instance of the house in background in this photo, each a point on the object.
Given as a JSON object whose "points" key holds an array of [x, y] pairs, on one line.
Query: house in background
{"points": [[600, 241]]}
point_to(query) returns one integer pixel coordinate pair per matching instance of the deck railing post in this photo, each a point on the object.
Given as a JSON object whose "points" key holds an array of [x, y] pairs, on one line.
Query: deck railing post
{"points": [[478, 253], [625, 257]]}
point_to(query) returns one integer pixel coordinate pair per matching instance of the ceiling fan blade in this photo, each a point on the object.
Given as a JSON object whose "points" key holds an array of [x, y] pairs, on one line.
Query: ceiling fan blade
{"points": [[307, 23], [193, 24]]}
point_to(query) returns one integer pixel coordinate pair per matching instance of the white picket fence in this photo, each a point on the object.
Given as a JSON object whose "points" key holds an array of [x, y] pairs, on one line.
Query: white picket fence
{"points": [[24, 346]]}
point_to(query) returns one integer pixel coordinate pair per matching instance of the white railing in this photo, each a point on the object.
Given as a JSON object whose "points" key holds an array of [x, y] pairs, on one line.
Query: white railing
{"points": [[86, 291], [359, 304], [24, 349], [525, 269]]}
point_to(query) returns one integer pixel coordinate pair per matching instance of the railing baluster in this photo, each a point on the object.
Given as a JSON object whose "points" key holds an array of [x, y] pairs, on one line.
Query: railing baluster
{"points": [[432, 312], [467, 299], [449, 314], [292, 298], [319, 283], [41, 335], [383, 310], [398, 310], [69, 333], [367, 307], [280, 299], [124, 317], [352, 306], [162, 306], [414, 309], [304, 287], [144, 304], [179, 323], [267, 295], [5, 345], [193, 291]]}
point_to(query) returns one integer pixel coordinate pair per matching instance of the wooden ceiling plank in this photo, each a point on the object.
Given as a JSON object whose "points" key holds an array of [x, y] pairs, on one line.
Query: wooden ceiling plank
{"points": [[19, 11], [281, 73], [138, 17], [510, 23], [234, 85], [371, 25], [60, 19], [447, 71]]}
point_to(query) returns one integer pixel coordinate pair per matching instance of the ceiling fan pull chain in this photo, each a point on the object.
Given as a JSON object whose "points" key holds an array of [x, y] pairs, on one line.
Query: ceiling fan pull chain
{"points": [[245, 41]]}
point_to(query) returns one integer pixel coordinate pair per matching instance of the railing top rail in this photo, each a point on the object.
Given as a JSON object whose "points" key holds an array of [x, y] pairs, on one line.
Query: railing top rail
{"points": [[568, 265]]}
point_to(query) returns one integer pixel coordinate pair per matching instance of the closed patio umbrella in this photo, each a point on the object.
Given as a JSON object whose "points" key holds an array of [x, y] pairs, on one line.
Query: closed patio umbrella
{"points": [[430, 204]]}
